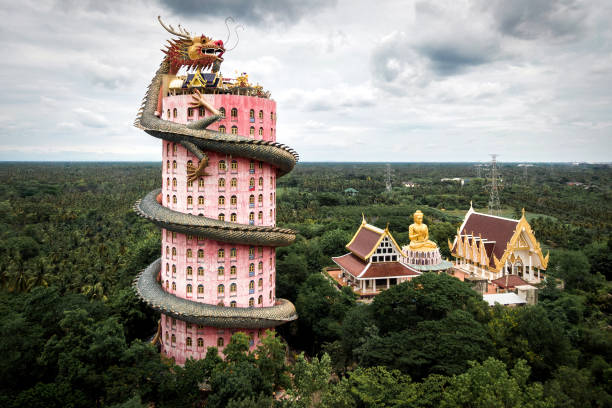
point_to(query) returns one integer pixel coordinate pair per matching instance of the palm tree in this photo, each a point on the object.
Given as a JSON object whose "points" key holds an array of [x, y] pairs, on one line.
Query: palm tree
{"points": [[18, 281], [94, 292], [40, 276]]}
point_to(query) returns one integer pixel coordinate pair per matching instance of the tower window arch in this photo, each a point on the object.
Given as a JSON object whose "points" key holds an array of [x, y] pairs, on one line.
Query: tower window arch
{"points": [[234, 113], [234, 130]]}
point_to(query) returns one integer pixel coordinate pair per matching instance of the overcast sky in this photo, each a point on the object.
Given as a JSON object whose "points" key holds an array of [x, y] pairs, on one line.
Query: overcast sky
{"points": [[386, 81]]}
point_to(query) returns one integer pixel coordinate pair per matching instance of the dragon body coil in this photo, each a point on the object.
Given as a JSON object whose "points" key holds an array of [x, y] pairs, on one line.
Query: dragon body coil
{"points": [[194, 308]]}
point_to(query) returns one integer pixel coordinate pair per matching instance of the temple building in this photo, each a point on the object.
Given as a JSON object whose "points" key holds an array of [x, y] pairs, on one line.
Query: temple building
{"points": [[217, 203], [376, 262], [501, 250]]}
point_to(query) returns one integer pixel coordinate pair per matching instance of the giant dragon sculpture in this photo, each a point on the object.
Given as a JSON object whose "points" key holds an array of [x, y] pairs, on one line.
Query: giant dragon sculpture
{"points": [[201, 52]]}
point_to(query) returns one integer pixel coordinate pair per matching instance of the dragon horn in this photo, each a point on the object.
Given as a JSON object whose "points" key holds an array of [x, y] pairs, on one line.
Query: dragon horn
{"points": [[172, 31]]}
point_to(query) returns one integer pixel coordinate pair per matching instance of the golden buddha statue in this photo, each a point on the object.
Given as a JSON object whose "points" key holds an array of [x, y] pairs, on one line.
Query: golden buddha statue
{"points": [[419, 235]]}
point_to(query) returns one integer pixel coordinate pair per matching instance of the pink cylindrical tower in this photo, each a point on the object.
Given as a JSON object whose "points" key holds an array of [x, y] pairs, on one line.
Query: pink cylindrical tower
{"points": [[216, 274]]}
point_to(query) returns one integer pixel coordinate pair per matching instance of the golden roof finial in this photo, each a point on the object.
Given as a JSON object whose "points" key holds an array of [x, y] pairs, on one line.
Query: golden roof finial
{"points": [[471, 205], [387, 227], [363, 220], [523, 212]]}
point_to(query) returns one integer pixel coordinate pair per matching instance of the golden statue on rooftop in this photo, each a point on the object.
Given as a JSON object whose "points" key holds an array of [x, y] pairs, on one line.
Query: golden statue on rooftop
{"points": [[419, 235]]}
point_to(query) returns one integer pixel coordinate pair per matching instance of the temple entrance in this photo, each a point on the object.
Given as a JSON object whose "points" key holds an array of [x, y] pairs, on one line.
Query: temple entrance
{"points": [[518, 268]]}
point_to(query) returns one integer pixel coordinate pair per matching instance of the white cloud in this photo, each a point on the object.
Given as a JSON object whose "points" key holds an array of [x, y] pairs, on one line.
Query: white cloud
{"points": [[457, 78]]}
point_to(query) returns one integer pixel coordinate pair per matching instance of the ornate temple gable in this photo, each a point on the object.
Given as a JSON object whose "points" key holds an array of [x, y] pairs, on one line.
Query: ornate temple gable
{"points": [[370, 241], [490, 240], [522, 243]]}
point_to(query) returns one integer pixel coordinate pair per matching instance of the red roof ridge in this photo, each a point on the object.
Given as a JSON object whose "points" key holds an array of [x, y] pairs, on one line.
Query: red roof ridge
{"points": [[495, 216]]}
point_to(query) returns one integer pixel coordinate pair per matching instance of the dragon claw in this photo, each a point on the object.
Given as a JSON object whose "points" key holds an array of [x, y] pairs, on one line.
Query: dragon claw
{"points": [[194, 173]]}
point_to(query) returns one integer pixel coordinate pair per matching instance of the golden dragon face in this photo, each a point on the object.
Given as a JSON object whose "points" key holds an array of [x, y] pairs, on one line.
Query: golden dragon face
{"points": [[192, 52]]}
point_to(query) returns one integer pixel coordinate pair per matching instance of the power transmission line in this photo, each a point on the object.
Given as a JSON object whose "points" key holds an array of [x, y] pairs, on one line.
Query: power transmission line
{"points": [[494, 204]]}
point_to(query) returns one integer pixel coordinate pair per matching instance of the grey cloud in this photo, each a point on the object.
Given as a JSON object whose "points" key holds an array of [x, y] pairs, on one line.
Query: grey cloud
{"points": [[252, 11], [450, 58], [532, 19]]}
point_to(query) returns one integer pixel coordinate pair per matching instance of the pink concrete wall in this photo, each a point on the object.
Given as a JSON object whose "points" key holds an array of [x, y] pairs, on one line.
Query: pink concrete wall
{"points": [[249, 188], [192, 268], [182, 331], [242, 121], [251, 264]]}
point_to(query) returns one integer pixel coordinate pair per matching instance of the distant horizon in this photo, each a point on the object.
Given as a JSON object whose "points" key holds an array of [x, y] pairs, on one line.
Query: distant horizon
{"points": [[322, 162]]}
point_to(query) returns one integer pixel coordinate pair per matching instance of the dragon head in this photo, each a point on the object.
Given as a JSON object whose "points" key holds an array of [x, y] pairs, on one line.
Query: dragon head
{"points": [[198, 52]]}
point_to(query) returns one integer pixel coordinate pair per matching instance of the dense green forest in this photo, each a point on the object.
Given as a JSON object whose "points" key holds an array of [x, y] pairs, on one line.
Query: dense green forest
{"points": [[73, 334]]}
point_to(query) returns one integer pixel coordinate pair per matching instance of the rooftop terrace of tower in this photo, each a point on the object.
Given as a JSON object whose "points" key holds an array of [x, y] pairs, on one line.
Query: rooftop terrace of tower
{"points": [[212, 83]]}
